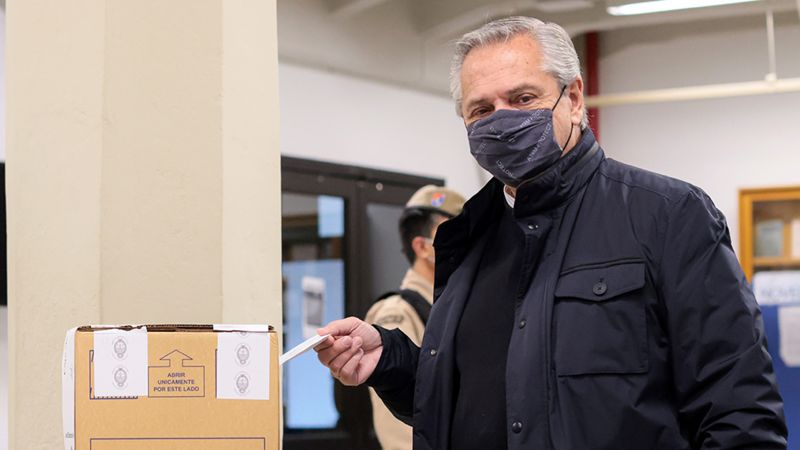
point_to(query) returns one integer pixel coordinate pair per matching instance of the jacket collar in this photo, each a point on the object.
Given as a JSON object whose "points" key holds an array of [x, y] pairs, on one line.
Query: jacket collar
{"points": [[551, 188], [561, 181]]}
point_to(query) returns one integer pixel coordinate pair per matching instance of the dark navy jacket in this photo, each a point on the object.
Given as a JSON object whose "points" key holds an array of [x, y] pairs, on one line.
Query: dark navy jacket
{"points": [[639, 330]]}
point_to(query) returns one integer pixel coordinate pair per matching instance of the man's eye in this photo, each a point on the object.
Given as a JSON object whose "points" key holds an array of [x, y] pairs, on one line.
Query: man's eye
{"points": [[525, 99], [480, 112]]}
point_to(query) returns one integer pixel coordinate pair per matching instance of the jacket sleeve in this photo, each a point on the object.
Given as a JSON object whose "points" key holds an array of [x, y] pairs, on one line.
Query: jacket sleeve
{"points": [[395, 376], [725, 385]]}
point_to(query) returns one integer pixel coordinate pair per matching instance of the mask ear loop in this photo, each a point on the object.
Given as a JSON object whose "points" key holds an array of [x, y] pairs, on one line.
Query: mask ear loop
{"points": [[571, 126], [561, 94]]}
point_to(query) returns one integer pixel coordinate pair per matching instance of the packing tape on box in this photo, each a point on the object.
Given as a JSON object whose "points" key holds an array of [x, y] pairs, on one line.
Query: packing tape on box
{"points": [[250, 328]]}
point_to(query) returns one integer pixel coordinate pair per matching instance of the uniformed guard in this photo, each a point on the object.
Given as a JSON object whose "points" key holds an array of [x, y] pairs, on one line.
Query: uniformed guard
{"points": [[408, 308]]}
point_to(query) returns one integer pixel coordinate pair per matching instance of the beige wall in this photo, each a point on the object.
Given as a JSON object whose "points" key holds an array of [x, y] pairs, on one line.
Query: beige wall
{"points": [[142, 177], [251, 223], [53, 169], [161, 201]]}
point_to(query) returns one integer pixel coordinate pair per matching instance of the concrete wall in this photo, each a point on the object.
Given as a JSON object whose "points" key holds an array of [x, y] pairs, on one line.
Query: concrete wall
{"points": [[339, 118], [382, 37], [143, 179]]}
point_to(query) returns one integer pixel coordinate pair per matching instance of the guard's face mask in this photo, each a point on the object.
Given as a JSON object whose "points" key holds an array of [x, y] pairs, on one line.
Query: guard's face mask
{"points": [[515, 145]]}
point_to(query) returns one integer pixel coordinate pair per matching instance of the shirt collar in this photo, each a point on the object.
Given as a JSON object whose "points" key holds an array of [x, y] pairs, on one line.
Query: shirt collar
{"points": [[510, 200]]}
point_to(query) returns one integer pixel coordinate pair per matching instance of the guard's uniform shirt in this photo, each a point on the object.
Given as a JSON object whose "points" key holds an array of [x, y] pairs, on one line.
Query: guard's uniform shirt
{"points": [[395, 313]]}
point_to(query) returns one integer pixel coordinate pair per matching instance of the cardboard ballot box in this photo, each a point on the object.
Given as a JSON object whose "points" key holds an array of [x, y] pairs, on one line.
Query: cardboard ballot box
{"points": [[171, 387]]}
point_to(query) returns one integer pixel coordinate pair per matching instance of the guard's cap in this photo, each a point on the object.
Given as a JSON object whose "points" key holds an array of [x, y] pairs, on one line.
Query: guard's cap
{"points": [[438, 199]]}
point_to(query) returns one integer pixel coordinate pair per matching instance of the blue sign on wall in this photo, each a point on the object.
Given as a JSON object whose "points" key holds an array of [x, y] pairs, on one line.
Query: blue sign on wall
{"points": [[778, 294]]}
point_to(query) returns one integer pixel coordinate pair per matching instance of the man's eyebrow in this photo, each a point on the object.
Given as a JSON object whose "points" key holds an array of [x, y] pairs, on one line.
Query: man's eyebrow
{"points": [[524, 88], [510, 93]]}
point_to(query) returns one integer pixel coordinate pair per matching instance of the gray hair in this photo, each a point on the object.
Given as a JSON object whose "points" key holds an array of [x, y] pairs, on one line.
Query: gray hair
{"points": [[559, 57]]}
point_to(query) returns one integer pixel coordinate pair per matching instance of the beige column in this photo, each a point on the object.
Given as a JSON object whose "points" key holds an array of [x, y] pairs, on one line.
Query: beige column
{"points": [[142, 176]]}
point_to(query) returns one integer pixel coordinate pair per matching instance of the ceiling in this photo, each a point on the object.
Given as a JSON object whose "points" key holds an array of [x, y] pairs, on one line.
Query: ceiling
{"points": [[409, 42], [450, 18]]}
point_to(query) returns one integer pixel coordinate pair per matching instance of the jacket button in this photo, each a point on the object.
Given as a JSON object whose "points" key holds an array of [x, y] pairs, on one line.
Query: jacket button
{"points": [[600, 288], [522, 323], [433, 352], [516, 427]]}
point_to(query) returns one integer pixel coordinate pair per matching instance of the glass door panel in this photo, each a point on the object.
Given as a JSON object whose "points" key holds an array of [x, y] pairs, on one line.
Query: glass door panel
{"points": [[313, 294]]}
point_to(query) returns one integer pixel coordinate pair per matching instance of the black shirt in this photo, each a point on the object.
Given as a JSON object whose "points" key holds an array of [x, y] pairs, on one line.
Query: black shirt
{"points": [[484, 331]]}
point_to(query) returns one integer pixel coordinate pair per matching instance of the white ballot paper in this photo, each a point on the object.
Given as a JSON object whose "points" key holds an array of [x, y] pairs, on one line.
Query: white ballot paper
{"points": [[303, 347], [313, 305]]}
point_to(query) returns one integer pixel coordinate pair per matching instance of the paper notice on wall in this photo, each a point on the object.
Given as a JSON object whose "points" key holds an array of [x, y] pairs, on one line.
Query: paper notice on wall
{"points": [[789, 328], [120, 363], [243, 365], [769, 238], [313, 305], [778, 287]]}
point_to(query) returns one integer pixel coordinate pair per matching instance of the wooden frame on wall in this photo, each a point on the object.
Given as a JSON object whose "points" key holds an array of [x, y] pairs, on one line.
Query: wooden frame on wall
{"points": [[769, 204]]}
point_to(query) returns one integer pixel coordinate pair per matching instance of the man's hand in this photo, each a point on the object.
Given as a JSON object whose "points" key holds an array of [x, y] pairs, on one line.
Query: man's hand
{"points": [[351, 352]]}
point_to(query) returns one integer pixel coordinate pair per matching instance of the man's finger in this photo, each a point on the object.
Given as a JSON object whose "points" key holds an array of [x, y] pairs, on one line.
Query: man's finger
{"points": [[342, 359], [339, 346], [349, 373], [340, 327]]}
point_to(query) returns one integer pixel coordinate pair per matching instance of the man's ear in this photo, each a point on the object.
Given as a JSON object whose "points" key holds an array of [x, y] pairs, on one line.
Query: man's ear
{"points": [[419, 246], [576, 97]]}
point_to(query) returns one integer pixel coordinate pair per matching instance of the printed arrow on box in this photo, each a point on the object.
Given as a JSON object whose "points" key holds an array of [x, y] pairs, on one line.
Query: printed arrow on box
{"points": [[177, 379]]}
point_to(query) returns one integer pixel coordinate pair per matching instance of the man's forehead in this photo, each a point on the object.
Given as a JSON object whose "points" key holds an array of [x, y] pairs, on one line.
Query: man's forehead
{"points": [[520, 49], [502, 68]]}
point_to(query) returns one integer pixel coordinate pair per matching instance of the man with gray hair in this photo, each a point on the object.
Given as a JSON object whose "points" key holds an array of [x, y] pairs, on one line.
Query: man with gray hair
{"points": [[580, 303]]}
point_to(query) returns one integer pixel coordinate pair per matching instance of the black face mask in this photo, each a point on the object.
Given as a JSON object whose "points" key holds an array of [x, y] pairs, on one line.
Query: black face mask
{"points": [[514, 145]]}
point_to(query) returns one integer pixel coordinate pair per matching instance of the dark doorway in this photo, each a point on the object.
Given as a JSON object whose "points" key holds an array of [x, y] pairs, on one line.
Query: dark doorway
{"points": [[340, 251]]}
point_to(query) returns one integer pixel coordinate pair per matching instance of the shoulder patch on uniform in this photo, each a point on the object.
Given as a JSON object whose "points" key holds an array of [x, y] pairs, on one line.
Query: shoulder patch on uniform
{"points": [[390, 319]]}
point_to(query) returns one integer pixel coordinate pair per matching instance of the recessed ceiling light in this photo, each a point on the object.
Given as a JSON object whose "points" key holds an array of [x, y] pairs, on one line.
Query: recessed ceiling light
{"points": [[558, 6], [656, 6]]}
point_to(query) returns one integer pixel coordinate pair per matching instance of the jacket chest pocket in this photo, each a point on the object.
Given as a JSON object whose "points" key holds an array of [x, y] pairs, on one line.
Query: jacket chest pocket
{"points": [[599, 321]]}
